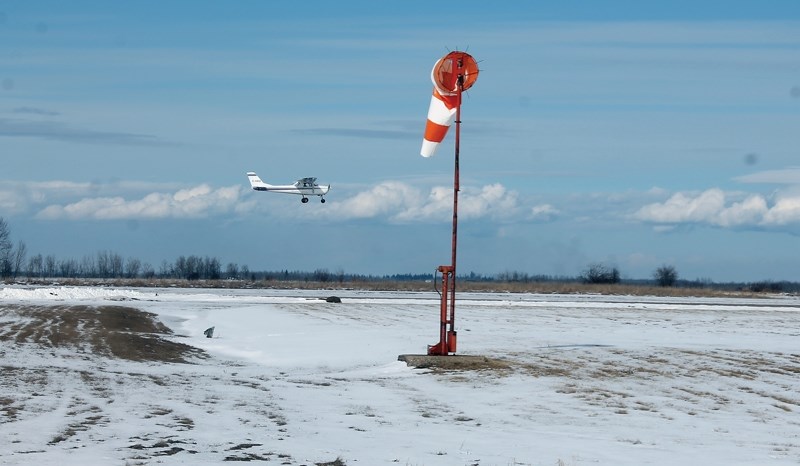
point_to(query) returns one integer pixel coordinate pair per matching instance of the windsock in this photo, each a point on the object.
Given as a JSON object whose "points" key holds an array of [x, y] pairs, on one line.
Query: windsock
{"points": [[447, 96]]}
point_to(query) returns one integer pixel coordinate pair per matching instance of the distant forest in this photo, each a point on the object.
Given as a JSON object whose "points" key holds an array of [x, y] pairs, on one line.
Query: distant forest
{"points": [[16, 264]]}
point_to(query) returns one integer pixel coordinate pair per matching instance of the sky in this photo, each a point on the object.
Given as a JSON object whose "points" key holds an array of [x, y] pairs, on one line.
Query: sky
{"points": [[628, 134]]}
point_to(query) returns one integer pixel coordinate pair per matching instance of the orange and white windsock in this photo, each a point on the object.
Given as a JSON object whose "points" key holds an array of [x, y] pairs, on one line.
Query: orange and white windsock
{"points": [[446, 97]]}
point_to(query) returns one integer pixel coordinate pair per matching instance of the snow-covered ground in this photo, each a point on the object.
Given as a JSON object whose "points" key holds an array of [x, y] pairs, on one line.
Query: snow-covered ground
{"points": [[292, 379]]}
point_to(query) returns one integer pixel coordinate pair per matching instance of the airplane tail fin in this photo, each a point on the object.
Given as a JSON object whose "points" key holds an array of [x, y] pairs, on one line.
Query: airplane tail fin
{"points": [[255, 182]]}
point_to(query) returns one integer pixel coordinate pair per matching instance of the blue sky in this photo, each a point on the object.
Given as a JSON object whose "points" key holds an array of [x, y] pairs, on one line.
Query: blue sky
{"points": [[619, 132]]}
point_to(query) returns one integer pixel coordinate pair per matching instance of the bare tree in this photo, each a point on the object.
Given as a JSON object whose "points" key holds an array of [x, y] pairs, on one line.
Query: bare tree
{"points": [[132, 267], [103, 264], [117, 265], [5, 249], [148, 271], [600, 273], [69, 268], [19, 258], [181, 268], [88, 267], [666, 275], [166, 270], [322, 275], [50, 266], [5, 234], [192, 267], [36, 266], [213, 268]]}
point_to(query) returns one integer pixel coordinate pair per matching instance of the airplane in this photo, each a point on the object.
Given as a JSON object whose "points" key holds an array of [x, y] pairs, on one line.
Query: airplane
{"points": [[303, 186]]}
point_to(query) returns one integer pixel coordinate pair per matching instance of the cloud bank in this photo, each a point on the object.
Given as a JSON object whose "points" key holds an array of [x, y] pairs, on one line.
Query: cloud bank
{"points": [[718, 208], [200, 201], [403, 203], [392, 201]]}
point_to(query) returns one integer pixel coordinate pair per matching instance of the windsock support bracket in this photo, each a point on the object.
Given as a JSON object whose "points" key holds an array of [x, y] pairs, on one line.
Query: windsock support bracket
{"points": [[447, 337]]}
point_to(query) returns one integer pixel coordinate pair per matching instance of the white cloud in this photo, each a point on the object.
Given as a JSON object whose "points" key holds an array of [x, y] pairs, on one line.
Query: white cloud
{"points": [[789, 175], [785, 210], [401, 202], [437, 206], [748, 212], [383, 199], [715, 207], [11, 202], [489, 201], [682, 208], [200, 201], [492, 200], [543, 212], [22, 196]]}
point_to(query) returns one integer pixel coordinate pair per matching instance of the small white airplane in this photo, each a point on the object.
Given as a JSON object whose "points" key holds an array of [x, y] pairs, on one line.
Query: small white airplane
{"points": [[303, 186]]}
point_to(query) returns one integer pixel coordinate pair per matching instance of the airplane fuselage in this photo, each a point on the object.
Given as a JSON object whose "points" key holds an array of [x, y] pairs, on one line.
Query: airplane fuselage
{"points": [[291, 189], [303, 187]]}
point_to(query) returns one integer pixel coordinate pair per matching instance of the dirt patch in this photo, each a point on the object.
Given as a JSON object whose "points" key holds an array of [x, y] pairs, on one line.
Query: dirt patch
{"points": [[454, 363], [112, 331], [336, 462]]}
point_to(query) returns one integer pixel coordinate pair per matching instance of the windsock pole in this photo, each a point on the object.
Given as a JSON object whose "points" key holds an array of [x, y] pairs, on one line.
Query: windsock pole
{"points": [[447, 306]]}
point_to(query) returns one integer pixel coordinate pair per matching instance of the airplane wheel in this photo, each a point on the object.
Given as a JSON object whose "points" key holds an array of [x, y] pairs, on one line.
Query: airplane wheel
{"points": [[322, 200], [304, 200]]}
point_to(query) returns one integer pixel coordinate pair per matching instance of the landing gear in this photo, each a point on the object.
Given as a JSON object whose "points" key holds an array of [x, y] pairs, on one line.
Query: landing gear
{"points": [[304, 200], [322, 200]]}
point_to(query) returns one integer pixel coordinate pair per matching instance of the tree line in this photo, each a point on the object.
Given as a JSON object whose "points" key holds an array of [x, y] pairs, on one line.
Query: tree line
{"points": [[15, 263]]}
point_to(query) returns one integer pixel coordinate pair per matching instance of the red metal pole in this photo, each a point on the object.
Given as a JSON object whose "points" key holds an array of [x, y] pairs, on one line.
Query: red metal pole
{"points": [[451, 335]]}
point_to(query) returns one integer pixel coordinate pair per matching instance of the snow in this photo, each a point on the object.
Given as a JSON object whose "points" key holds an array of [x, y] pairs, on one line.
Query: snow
{"points": [[609, 380]]}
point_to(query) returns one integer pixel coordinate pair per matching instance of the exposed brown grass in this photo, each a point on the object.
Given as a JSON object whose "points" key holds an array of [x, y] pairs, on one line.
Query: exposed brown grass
{"points": [[113, 331], [398, 285], [455, 363]]}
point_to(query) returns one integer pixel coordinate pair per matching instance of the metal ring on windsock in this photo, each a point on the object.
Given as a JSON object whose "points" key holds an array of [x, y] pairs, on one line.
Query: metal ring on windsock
{"points": [[446, 73]]}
